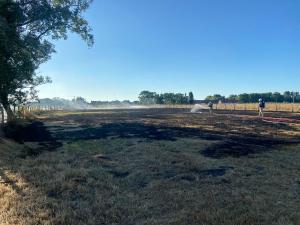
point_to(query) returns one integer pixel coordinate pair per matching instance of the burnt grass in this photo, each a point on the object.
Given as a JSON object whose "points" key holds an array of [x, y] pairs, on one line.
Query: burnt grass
{"points": [[151, 167], [157, 124], [240, 144], [228, 145]]}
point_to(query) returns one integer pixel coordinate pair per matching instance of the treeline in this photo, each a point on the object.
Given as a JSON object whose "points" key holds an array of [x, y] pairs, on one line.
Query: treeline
{"points": [[113, 103], [148, 97], [78, 103], [287, 96]]}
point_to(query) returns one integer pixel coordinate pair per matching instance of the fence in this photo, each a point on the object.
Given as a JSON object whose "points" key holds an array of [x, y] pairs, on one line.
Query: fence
{"points": [[22, 111], [280, 107]]}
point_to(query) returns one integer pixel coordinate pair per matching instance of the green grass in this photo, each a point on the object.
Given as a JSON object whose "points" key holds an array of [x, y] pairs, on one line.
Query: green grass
{"points": [[143, 181]]}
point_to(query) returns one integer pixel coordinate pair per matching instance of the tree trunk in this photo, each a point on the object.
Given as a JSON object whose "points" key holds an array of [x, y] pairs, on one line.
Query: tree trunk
{"points": [[2, 115], [9, 112]]}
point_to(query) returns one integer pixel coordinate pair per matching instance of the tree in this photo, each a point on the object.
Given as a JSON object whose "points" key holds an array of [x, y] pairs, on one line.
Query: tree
{"points": [[277, 97], [287, 96], [26, 29], [244, 98], [191, 98], [80, 100], [147, 97], [233, 98], [158, 99], [215, 98]]}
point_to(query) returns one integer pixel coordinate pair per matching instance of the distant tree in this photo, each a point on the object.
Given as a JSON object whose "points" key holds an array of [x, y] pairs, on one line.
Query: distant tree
{"points": [[158, 99], [244, 98], [287, 96], [295, 96], [215, 98], [254, 97], [147, 97], [168, 98], [191, 99], [233, 98], [180, 98], [80, 100], [277, 97], [26, 28]]}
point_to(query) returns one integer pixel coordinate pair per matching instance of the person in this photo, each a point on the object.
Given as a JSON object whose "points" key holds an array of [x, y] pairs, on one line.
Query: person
{"points": [[261, 107], [210, 107]]}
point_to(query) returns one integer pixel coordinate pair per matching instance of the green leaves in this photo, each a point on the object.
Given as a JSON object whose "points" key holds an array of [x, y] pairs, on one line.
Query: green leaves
{"points": [[27, 29], [55, 18]]}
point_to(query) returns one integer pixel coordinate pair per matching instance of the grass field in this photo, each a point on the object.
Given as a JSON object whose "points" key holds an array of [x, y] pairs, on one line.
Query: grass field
{"points": [[280, 107], [152, 166]]}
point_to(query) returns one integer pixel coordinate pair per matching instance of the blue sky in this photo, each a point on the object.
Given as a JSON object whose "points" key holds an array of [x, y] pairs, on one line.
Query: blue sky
{"points": [[204, 46]]}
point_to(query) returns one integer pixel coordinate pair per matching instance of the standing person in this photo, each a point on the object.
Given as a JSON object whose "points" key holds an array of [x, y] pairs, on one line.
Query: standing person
{"points": [[210, 107], [261, 107]]}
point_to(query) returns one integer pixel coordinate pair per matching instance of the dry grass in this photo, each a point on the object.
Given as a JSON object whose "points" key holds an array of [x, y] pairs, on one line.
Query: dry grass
{"points": [[131, 167], [280, 107]]}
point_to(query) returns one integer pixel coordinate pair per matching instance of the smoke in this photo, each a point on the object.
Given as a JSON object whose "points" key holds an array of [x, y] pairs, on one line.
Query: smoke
{"points": [[64, 104], [60, 103], [198, 108]]}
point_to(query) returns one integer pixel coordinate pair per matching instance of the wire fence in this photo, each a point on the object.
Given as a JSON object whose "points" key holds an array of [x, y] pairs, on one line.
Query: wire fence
{"points": [[275, 107]]}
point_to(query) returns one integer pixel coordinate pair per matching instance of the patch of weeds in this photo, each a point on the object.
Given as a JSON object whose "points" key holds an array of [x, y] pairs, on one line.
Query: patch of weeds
{"points": [[221, 171], [28, 152], [119, 174], [138, 181], [188, 177]]}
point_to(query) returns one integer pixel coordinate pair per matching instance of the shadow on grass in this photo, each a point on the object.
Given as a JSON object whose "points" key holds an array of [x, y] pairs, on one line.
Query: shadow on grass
{"points": [[133, 130], [239, 147], [34, 132], [226, 146]]}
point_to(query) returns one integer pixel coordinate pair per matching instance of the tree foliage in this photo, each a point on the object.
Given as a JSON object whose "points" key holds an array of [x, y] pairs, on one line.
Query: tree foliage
{"points": [[287, 96], [215, 98], [148, 97], [191, 99], [27, 28]]}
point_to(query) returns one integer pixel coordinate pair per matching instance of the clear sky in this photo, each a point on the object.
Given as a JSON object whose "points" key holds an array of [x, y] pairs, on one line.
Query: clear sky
{"points": [[204, 46]]}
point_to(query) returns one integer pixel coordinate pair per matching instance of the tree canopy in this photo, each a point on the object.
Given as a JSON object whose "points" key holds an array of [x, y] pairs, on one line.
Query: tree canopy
{"points": [[148, 97], [287, 96], [27, 29]]}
